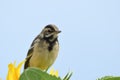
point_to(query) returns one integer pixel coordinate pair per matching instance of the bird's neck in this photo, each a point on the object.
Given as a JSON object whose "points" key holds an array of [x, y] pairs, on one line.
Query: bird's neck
{"points": [[51, 41]]}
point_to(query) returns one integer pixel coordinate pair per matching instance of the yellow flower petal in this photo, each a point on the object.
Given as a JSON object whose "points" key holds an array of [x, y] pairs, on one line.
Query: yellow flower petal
{"points": [[56, 73], [13, 71], [53, 72], [17, 69]]}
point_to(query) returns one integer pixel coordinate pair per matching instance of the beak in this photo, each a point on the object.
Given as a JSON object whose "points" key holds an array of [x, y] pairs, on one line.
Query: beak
{"points": [[58, 32]]}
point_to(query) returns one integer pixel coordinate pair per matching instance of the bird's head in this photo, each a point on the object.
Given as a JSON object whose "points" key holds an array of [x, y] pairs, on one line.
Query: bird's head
{"points": [[50, 32]]}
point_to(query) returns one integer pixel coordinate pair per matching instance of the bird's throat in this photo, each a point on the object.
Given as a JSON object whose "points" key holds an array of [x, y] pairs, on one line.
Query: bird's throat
{"points": [[51, 41]]}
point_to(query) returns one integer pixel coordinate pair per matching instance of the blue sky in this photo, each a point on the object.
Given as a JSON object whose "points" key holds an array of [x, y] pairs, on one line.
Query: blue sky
{"points": [[89, 42]]}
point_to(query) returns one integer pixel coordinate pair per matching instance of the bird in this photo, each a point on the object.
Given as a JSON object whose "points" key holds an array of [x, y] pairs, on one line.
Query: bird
{"points": [[44, 48]]}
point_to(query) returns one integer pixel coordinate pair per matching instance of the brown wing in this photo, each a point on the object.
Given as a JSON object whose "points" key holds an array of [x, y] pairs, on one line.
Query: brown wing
{"points": [[30, 52], [29, 55]]}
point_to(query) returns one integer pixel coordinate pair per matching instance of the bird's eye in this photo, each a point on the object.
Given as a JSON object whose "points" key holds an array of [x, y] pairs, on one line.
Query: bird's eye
{"points": [[50, 31]]}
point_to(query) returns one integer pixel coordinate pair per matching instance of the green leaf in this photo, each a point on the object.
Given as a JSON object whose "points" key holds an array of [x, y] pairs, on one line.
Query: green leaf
{"points": [[36, 74], [109, 78]]}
